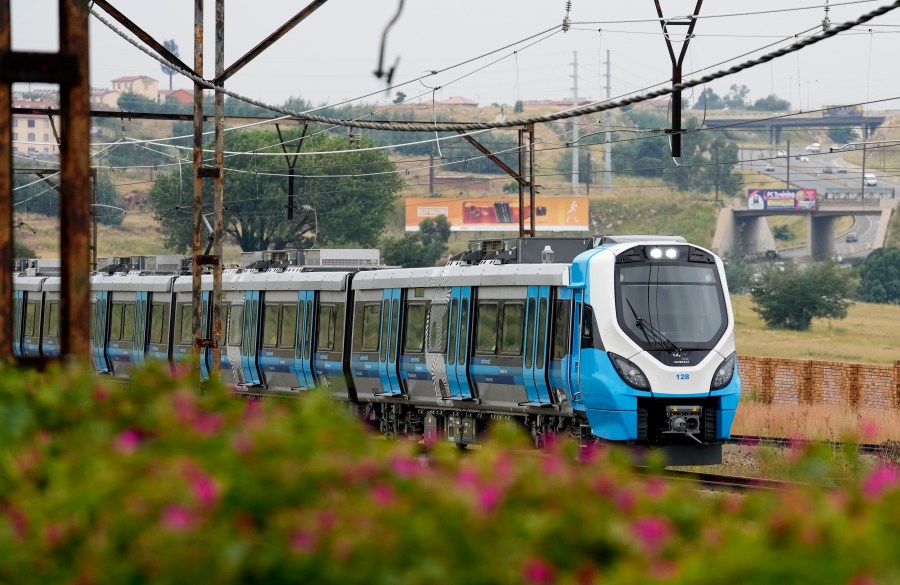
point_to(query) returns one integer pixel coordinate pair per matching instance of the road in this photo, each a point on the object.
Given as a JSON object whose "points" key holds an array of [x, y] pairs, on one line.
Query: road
{"points": [[810, 175]]}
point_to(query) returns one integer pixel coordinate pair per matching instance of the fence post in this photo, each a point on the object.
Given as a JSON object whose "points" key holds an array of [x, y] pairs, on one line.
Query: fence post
{"points": [[768, 381], [896, 378], [807, 393]]}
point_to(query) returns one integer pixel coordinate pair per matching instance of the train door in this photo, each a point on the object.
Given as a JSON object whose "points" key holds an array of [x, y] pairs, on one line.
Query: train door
{"points": [[141, 302], [206, 352], [458, 342], [157, 345], [18, 302], [390, 332], [533, 362], [498, 357], [365, 343], [122, 333], [232, 337], [278, 340], [99, 328], [303, 356], [183, 340], [561, 343], [574, 373], [249, 350]]}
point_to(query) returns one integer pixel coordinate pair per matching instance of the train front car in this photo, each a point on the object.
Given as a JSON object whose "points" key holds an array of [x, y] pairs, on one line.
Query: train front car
{"points": [[658, 363]]}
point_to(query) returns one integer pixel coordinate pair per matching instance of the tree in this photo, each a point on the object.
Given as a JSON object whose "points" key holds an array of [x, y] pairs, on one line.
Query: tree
{"points": [[709, 100], [792, 298], [400, 98], [349, 194], [172, 47], [737, 97], [771, 103], [35, 196], [880, 277], [842, 134], [519, 107], [422, 248]]}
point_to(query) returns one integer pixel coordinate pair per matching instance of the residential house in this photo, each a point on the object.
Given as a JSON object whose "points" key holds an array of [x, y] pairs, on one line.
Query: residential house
{"points": [[139, 84], [32, 134]]}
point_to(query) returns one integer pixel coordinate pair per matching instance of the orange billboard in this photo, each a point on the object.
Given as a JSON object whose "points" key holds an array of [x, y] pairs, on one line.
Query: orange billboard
{"points": [[492, 214]]}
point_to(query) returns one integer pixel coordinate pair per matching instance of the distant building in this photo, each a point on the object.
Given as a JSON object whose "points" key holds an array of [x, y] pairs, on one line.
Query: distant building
{"points": [[139, 84], [105, 97], [32, 134], [457, 101], [182, 96]]}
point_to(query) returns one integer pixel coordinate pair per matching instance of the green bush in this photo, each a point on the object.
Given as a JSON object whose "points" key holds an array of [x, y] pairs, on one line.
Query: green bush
{"points": [[158, 483]]}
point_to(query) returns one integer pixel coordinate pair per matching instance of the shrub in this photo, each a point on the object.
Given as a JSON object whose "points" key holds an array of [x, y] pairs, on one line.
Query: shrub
{"points": [[156, 482]]}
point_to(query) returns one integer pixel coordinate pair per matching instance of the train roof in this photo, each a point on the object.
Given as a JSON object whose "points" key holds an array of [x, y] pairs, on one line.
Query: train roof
{"points": [[28, 283], [132, 281], [294, 278], [460, 275]]}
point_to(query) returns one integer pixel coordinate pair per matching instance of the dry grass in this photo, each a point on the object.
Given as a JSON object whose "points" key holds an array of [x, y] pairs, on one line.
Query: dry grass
{"points": [[864, 336], [816, 422]]}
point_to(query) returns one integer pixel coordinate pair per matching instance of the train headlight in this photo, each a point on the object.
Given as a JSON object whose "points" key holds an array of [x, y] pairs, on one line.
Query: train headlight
{"points": [[672, 253], [724, 373], [629, 372], [656, 253], [667, 253]]}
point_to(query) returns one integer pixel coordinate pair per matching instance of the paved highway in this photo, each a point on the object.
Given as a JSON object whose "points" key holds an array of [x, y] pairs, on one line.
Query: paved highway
{"points": [[810, 174]]}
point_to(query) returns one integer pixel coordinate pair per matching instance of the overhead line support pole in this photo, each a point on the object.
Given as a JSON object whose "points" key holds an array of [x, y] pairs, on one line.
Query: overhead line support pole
{"points": [[197, 223], [676, 69], [521, 184], [530, 130], [265, 44], [218, 198], [292, 163]]}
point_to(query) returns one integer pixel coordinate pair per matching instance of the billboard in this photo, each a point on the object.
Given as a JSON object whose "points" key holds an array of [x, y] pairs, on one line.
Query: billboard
{"points": [[782, 199], [491, 214]]}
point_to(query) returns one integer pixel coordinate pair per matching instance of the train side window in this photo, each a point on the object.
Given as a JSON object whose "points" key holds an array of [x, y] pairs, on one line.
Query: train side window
{"points": [[529, 334], [451, 351], [385, 319], [415, 329], [513, 329], [371, 319], [437, 328], [115, 321], [185, 325], [235, 325], [587, 327], [463, 331], [270, 325], [128, 321], [288, 334], [30, 318], [53, 320], [541, 335], [157, 316], [93, 320], [486, 328], [325, 341], [561, 318], [338, 344]]}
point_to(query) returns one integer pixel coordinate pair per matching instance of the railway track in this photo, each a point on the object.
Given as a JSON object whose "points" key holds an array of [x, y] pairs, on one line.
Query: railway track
{"points": [[733, 483], [889, 449]]}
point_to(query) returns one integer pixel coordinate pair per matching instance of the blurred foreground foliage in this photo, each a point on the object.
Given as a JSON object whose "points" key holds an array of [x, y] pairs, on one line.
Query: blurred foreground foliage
{"points": [[155, 482]]}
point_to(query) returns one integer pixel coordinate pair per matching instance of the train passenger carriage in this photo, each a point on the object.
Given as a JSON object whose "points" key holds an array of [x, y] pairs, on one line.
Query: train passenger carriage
{"points": [[625, 339]]}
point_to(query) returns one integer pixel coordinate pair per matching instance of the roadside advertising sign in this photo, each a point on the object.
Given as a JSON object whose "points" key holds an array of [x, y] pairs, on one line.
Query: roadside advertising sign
{"points": [[553, 214], [782, 199]]}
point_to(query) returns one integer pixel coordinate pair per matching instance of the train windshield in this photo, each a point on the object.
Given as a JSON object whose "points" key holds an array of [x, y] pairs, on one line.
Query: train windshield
{"points": [[682, 302]]}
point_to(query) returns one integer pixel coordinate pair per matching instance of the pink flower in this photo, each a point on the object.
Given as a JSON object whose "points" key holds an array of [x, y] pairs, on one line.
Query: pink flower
{"points": [[406, 467], [652, 532], [624, 500], [467, 477], [302, 541], [883, 478], [177, 518], [656, 488], [538, 571], [489, 497], [242, 444], [101, 394], [127, 441], [205, 489], [552, 464], [382, 494], [207, 424], [868, 430]]}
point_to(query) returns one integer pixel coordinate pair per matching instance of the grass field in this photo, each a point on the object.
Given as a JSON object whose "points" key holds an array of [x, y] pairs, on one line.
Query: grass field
{"points": [[865, 336]]}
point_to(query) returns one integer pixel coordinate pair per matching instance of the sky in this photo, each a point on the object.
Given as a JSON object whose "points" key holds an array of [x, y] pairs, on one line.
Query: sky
{"points": [[330, 57]]}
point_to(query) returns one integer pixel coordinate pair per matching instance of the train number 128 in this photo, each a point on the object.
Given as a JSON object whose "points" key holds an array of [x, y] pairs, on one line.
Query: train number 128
{"points": [[682, 376]]}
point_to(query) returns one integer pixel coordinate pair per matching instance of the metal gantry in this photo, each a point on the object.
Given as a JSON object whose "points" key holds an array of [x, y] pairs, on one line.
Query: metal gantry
{"points": [[69, 69]]}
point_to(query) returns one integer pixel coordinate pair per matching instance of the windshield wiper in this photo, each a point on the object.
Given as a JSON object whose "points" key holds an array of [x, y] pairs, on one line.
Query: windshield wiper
{"points": [[650, 331]]}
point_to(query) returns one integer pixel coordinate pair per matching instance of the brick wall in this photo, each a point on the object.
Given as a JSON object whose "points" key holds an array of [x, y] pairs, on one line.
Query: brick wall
{"points": [[789, 381]]}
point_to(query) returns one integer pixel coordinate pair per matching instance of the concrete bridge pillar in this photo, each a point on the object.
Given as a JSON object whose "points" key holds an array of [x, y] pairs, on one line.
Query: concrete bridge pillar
{"points": [[821, 236], [756, 237]]}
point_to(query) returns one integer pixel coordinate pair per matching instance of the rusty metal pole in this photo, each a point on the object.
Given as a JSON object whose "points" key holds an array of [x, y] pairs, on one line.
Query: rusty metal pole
{"points": [[6, 211], [522, 184], [196, 242], [218, 197], [74, 213], [531, 177]]}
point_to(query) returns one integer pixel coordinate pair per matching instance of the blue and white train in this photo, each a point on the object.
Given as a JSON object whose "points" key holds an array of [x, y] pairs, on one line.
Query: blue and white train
{"points": [[629, 339]]}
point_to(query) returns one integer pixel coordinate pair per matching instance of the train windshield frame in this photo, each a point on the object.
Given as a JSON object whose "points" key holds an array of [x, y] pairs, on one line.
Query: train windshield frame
{"points": [[684, 301]]}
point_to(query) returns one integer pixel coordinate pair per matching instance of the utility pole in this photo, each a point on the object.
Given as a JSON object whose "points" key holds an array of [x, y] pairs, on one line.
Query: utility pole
{"points": [[862, 194], [431, 171], [716, 167], [607, 153], [787, 184], [589, 173], [575, 127]]}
